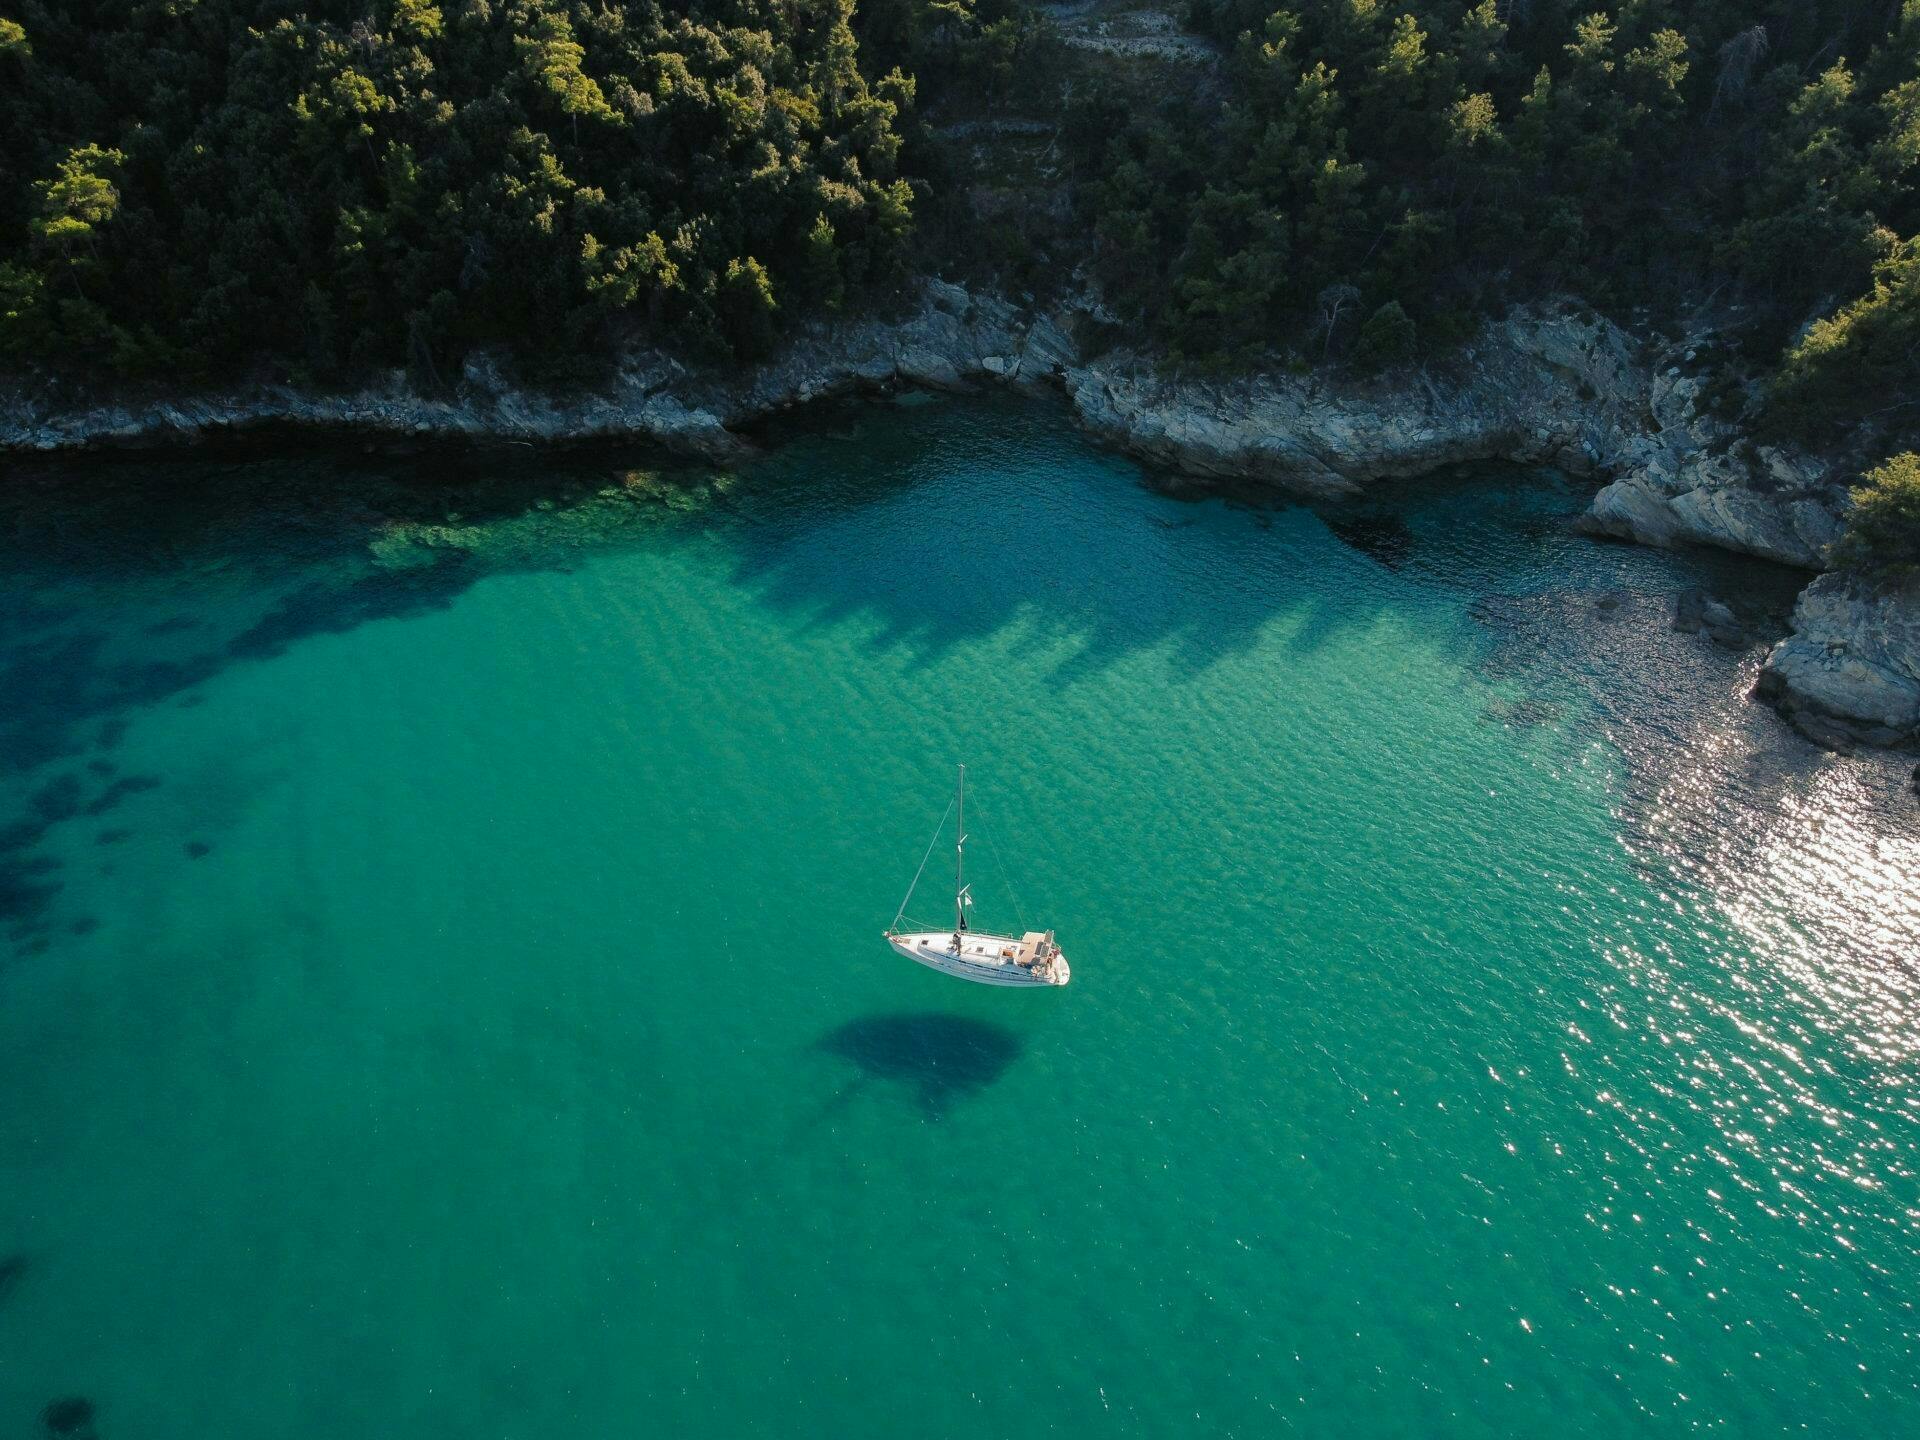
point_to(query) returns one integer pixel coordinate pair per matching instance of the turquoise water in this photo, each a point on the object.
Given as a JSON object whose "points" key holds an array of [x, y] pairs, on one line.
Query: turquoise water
{"points": [[443, 994]]}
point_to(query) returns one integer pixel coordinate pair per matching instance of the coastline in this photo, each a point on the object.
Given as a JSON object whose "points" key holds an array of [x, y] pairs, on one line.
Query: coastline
{"points": [[1546, 384]]}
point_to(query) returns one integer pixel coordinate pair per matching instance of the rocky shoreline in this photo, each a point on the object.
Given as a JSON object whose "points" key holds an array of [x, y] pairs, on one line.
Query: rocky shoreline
{"points": [[1847, 673], [1545, 385]]}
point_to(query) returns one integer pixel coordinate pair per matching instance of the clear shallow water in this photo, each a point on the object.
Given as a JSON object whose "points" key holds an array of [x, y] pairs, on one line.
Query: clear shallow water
{"points": [[442, 990]]}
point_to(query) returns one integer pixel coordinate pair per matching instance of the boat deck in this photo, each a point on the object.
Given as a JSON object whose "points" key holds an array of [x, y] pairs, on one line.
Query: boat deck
{"points": [[994, 959]]}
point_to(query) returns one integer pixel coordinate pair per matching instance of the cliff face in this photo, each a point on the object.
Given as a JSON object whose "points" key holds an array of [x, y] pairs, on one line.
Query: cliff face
{"points": [[1540, 385], [1543, 385], [1547, 384]]}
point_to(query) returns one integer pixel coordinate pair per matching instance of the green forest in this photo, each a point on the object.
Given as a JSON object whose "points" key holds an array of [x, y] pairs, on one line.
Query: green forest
{"points": [[1381, 173], [198, 184], [196, 187]]}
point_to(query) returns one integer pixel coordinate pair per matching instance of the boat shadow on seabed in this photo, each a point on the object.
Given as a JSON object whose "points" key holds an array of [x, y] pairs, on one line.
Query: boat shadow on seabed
{"points": [[940, 1059]]}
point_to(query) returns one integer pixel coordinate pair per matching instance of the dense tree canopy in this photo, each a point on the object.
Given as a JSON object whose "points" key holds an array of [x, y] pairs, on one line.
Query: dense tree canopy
{"points": [[200, 183], [1381, 169], [1370, 177]]}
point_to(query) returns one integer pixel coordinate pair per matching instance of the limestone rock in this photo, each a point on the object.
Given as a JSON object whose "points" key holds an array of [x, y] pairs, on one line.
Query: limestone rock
{"points": [[1697, 613], [1851, 667], [1631, 510]]}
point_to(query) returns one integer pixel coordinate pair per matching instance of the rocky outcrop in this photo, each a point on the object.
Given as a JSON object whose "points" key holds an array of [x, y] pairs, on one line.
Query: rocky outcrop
{"points": [[1540, 386], [1693, 479], [1776, 506], [1545, 384], [950, 338], [1130, 32], [1697, 613], [1851, 669]]}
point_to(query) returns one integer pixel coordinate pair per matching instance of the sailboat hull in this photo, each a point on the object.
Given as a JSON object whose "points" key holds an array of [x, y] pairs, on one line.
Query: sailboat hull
{"points": [[983, 959]]}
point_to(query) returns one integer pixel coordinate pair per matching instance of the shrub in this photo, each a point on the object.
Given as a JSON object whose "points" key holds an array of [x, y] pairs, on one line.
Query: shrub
{"points": [[1386, 339], [1883, 536], [1863, 355], [746, 305]]}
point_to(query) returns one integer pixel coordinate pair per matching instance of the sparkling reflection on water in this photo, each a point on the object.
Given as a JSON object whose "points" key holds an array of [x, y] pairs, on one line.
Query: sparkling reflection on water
{"points": [[1788, 1083]]}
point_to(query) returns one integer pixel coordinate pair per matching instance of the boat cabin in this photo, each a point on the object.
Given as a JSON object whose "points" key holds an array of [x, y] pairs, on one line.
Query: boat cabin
{"points": [[1036, 948]]}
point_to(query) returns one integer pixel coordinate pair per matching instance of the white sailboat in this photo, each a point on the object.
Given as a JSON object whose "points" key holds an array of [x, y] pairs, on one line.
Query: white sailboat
{"points": [[1033, 959]]}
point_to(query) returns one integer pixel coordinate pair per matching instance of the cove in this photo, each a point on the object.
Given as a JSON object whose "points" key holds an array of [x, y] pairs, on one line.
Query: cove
{"points": [[441, 988]]}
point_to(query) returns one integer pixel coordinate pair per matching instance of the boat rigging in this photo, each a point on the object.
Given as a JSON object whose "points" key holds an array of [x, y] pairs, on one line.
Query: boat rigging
{"points": [[1033, 959]]}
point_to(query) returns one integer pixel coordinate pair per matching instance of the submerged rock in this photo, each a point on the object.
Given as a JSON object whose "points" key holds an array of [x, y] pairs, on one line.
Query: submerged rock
{"points": [[1689, 611], [1697, 613], [1385, 538], [1523, 714]]}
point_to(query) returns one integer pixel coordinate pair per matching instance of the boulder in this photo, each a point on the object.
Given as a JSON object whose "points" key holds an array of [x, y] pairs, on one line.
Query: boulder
{"points": [[1851, 667], [1629, 509], [1697, 613]]}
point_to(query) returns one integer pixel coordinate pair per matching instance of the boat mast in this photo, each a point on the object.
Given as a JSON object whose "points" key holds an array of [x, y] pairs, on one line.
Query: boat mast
{"points": [[960, 857]]}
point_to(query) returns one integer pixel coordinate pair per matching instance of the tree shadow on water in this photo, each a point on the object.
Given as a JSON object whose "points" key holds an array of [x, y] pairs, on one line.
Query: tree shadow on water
{"points": [[934, 531], [939, 1059], [26, 894]]}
